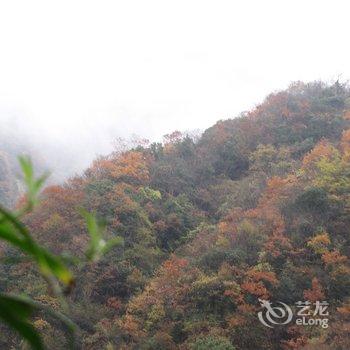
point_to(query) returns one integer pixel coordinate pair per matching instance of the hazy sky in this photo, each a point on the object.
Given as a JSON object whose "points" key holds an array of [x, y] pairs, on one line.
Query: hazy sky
{"points": [[88, 70]]}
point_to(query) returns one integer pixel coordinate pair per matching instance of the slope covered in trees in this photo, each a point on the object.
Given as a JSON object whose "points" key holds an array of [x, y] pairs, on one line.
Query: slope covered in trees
{"points": [[257, 207]]}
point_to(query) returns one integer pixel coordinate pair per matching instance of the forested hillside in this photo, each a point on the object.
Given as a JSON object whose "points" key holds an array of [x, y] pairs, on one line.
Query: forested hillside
{"points": [[256, 207]]}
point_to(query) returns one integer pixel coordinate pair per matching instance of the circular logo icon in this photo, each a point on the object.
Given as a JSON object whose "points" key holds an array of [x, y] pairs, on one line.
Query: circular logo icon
{"points": [[271, 316]]}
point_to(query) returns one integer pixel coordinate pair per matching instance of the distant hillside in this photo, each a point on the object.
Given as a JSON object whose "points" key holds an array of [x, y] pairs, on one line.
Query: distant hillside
{"points": [[258, 207]]}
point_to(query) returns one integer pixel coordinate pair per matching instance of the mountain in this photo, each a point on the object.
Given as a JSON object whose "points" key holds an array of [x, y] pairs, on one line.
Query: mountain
{"points": [[256, 208]]}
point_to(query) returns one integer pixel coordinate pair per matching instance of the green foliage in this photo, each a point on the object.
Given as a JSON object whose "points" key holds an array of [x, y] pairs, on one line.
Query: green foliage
{"points": [[208, 295], [252, 209], [150, 194], [212, 343], [16, 313], [333, 175], [14, 231], [314, 200], [33, 184], [97, 245]]}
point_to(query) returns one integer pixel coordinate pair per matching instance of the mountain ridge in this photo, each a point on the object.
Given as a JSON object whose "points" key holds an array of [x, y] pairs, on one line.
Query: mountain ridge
{"points": [[257, 207]]}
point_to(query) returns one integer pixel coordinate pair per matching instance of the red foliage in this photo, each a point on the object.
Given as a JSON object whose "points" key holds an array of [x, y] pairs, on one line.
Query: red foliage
{"points": [[316, 292]]}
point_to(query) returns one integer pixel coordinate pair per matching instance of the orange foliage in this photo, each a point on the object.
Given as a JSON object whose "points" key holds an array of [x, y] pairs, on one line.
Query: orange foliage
{"points": [[322, 149], [276, 243], [174, 266], [114, 303], [165, 287], [255, 288], [334, 257], [246, 308], [319, 243], [315, 293], [295, 343], [344, 310], [347, 115], [131, 165], [131, 326], [62, 197], [263, 275], [345, 141], [236, 321], [278, 189]]}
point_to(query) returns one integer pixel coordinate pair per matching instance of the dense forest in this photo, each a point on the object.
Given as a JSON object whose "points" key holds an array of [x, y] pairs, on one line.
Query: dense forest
{"points": [[257, 207]]}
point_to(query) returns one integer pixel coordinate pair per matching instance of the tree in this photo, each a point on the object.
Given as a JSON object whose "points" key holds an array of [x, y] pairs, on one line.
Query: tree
{"points": [[212, 343]]}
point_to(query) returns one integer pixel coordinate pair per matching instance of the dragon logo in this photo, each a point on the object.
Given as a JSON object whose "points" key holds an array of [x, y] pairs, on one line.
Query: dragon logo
{"points": [[277, 315]]}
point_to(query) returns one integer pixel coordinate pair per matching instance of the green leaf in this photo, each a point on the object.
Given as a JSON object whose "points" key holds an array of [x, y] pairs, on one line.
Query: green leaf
{"points": [[15, 313], [14, 232], [97, 245], [33, 185], [16, 310], [52, 264], [110, 244], [7, 233]]}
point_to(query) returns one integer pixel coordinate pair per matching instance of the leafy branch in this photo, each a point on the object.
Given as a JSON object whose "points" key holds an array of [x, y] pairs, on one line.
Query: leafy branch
{"points": [[15, 310]]}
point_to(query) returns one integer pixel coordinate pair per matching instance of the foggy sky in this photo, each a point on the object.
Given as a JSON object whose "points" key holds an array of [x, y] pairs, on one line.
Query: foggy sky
{"points": [[76, 74]]}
